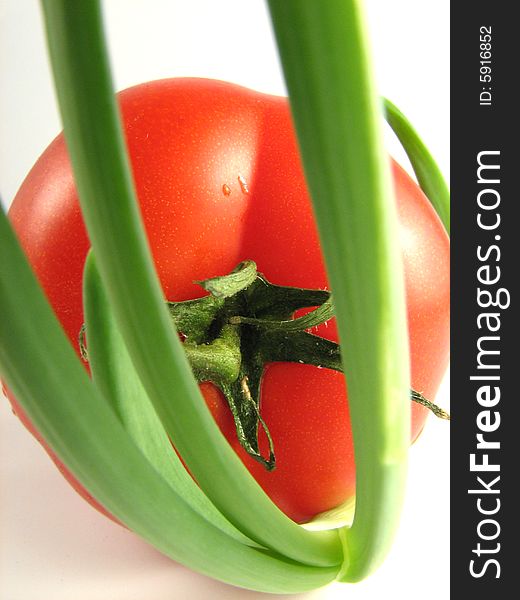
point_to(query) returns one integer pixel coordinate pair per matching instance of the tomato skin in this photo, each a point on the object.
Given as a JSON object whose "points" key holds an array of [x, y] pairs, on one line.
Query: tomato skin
{"points": [[218, 176]]}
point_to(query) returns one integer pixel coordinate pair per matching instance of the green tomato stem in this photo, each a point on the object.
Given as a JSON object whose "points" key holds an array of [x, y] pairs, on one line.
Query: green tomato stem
{"points": [[219, 360]]}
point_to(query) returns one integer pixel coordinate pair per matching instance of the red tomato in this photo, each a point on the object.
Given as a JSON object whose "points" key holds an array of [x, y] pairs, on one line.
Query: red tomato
{"points": [[219, 180]]}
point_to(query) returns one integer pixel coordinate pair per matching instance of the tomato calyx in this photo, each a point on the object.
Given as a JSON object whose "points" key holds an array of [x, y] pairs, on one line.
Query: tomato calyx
{"points": [[245, 323], [434, 408], [241, 326]]}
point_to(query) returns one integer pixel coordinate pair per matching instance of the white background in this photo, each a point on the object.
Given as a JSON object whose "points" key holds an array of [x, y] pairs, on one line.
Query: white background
{"points": [[53, 546]]}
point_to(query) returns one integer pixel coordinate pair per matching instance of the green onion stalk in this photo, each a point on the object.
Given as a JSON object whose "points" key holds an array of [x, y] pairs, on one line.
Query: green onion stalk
{"points": [[113, 430]]}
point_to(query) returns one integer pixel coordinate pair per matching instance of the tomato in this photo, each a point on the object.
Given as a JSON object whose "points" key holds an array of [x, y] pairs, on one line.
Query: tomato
{"points": [[219, 180]]}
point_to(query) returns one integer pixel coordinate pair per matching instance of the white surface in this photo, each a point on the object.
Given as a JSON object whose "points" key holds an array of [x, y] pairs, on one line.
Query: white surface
{"points": [[53, 546]]}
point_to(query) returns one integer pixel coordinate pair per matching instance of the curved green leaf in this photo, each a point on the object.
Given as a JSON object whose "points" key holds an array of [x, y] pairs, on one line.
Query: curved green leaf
{"points": [[115, 377], [47, 378], [102, 174], [336, 112], [428, 173]]}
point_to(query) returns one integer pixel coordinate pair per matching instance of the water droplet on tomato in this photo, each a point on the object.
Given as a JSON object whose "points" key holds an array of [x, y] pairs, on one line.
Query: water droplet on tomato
{"points": [[243, 185], [226, 189]]}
